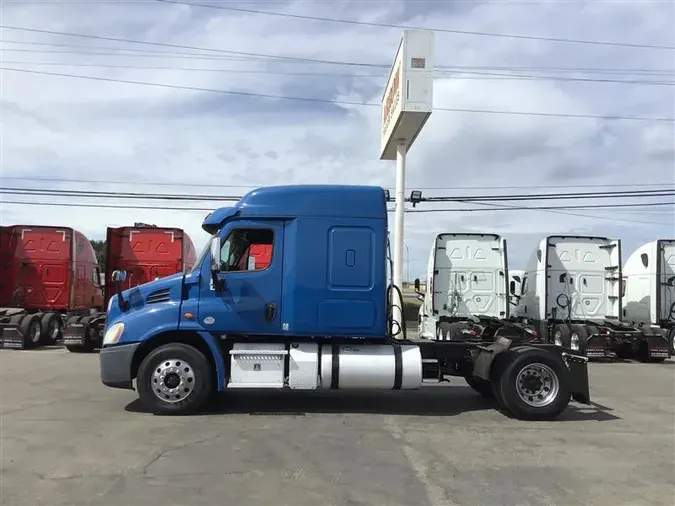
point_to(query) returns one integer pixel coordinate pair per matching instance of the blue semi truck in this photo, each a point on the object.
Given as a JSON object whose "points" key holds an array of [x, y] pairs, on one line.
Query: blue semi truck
{"points": [[318, 316]]}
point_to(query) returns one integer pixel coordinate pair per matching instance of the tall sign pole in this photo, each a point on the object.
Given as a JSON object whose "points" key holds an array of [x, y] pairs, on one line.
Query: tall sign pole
{"points": [[406, 106]]}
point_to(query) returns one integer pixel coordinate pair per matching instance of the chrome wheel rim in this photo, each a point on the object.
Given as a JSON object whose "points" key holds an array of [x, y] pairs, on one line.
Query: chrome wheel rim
{"points": [[537, 385], [34, 332], [54, 329], [173, 380]]}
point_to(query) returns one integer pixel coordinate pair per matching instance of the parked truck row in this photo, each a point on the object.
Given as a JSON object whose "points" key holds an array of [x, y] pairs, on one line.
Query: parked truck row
{"points": [[574, 292], [50, 278]]}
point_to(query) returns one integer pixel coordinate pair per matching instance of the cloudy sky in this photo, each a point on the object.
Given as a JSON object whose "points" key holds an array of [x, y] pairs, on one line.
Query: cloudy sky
{"points": [[82, 134]]}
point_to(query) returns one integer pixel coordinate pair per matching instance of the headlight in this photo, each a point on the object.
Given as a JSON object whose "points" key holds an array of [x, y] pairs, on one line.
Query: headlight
{"points": [[113, 334]]}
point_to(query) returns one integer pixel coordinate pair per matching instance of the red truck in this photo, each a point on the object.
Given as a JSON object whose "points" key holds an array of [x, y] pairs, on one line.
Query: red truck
{"points": [[144, 252], [47, 275]]}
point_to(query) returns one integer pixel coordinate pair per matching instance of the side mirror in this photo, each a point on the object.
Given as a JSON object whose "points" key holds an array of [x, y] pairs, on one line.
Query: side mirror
{"points": [[119, 276], [218, 284], [215, 254]]}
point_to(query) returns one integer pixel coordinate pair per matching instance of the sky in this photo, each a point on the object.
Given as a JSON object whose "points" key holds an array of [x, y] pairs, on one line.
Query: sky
{"points": [[66, 133]]}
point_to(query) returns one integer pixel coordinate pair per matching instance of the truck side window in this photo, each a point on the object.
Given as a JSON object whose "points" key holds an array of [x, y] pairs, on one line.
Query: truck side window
{"points": [[247, 249]]}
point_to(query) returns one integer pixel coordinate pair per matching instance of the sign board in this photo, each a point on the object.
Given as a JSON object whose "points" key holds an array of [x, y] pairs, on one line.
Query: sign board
{"points": [[408, 97]]}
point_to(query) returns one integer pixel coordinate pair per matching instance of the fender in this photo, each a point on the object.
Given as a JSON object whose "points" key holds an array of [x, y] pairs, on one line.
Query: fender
{"points": [[487, 355], [217, 354]]}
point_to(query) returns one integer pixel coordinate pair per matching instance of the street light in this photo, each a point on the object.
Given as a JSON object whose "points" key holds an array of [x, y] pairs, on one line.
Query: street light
{"points": [[415, 197]]}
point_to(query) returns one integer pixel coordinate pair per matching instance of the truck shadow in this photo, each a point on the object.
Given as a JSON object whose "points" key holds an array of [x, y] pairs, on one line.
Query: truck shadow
{"points": [[429, 401]]}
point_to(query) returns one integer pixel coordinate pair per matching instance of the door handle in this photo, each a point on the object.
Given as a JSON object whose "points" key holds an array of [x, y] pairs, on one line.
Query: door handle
{"points": [[270, 311]]}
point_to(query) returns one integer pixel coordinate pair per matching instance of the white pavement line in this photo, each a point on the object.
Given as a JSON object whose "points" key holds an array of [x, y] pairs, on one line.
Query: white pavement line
{"points": [[435, 494]]}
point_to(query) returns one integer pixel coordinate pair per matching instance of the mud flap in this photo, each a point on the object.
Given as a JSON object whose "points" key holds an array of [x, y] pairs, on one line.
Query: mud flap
{"points": [[578, 378], [74, 334], [658, 346], [596, 346], [487, 355], [11, 337]]}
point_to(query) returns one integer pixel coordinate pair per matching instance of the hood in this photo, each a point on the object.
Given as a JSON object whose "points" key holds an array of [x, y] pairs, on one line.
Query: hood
{"points": [[163, 290]]}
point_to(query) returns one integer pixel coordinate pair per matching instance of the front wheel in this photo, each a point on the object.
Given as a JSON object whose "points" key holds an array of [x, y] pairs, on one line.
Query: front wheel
{"points": [[174, 379], [535, 385]]}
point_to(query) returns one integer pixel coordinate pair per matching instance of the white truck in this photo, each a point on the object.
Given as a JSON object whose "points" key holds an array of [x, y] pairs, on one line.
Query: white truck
{"points": [[467, 293], [649, 290], [571, 293]]}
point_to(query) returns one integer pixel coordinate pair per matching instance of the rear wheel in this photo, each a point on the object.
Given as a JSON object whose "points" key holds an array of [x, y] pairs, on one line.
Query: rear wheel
{"points": [[578, 338], [174, 379], [561, 335], [534, 385], [52, 328], [31, 328]]}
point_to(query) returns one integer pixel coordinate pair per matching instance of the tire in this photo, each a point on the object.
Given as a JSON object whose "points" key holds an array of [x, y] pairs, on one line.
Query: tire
{"points": [[52, 328], [496, 371], [524, 393], [579, 338], [159, 371], [561, 335], [31, 327], [480, 385]]}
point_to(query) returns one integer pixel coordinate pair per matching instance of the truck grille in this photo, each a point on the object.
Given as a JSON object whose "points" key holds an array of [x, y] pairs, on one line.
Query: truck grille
{"points": [[158, 296]]}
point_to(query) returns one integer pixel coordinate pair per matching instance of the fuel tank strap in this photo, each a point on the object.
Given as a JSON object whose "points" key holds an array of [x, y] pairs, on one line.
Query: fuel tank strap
{"points": [[398, 367], [335, 367]]}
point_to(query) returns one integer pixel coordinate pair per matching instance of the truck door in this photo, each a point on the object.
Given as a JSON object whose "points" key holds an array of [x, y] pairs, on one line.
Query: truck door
{"points": [[249, 301]]}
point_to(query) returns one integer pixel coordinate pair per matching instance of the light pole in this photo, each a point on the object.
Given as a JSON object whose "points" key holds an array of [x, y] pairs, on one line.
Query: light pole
{"points": [[407, 263]]}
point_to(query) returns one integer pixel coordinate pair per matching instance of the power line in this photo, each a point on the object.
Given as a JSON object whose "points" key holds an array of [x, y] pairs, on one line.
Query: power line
{"points": [[541, 208], [414, 187], [275, 58], [181, 46], [106, 206], [556, 196], [167, 208], [459, 75], [458, 199], [441, 30], [336, 102]]}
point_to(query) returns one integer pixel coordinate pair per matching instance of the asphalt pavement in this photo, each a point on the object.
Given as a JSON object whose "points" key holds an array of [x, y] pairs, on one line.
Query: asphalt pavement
{"points": [[66, 440]]}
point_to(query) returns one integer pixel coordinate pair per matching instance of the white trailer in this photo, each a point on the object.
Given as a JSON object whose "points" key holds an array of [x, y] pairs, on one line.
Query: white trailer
{"points": [[571, 293], [467, 295], [649, 289]]}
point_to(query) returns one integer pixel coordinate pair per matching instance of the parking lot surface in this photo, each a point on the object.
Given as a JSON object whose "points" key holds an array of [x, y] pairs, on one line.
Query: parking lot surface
{"points": [[68, 440]]}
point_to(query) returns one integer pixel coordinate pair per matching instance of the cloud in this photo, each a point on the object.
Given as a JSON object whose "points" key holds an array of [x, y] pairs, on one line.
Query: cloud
{"points": [[162, 140]]}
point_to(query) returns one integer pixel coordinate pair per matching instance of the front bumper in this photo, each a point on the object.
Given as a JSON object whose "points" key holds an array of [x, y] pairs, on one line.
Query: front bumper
{"points": [[115, 363]]}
